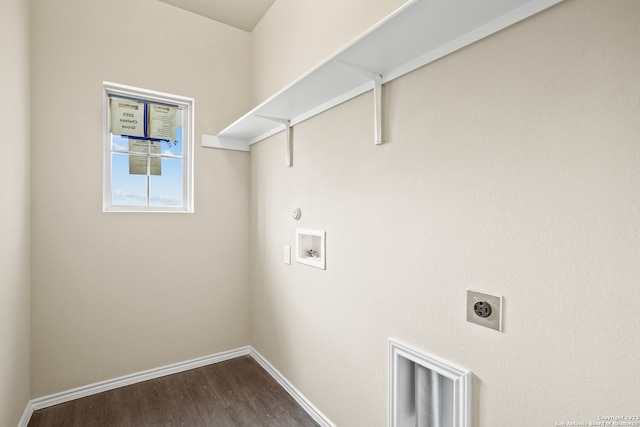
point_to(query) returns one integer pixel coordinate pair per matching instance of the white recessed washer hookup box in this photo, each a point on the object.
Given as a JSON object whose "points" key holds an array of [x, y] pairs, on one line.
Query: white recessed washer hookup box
{"points": [[310, 248]]}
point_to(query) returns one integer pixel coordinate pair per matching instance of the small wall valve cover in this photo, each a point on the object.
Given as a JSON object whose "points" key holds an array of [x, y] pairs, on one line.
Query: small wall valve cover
{"points": [[296, 214], [484, 309]]}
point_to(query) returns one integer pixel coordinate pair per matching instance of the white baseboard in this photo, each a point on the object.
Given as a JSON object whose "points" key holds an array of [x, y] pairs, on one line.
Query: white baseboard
{"points": [[297, 396], [91, 389], [26, 416]]}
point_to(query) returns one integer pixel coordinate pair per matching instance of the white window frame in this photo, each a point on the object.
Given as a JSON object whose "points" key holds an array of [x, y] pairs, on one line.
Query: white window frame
{"points": [[187, 106]]}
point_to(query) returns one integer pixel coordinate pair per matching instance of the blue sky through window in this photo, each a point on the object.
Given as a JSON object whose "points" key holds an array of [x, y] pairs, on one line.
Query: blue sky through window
{"points": [[165, 190]]}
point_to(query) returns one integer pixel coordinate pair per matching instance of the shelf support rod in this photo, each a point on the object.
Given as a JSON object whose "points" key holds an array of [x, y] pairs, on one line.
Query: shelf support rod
{"points": [[377, 108], [287, 135], [377, 98]]}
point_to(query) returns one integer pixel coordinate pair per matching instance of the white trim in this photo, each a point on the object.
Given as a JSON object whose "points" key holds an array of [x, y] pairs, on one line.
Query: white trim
{"points": [[213, 141], [461, 378], [513, 17], [187, 106], [365, 87], [314, 412], [26, 415], [277, 129], [91, 389], [417, 33]]}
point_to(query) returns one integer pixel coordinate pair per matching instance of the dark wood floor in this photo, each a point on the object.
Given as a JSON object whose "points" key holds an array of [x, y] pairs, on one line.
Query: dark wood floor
{"points": [[236, 392]]}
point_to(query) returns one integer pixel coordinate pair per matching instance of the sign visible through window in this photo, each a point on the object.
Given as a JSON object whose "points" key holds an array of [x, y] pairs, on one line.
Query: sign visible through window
{"points": [[148, 151]]}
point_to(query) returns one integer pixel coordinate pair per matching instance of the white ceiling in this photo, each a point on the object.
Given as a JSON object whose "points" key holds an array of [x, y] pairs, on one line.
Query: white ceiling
{"points": [[243, 14]]}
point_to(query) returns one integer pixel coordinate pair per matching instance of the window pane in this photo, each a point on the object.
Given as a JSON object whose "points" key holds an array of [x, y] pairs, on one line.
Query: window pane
{"points": [[144, 170], [126, 189], [173, 148], [119, 143], [166, 189]]}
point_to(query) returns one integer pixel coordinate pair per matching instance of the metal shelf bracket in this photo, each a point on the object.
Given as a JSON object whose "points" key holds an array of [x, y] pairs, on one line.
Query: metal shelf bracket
{"points": [[376, 79], [287, 134]]}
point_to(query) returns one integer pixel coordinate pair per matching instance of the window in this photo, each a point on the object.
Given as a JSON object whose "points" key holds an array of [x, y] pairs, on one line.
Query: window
{"points": [[148, 151]]}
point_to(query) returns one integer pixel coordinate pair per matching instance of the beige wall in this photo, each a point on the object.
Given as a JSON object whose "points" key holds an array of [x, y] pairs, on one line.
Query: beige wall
{"points": [[14, 213], [296, 36], [510, 167], [115, 294]]}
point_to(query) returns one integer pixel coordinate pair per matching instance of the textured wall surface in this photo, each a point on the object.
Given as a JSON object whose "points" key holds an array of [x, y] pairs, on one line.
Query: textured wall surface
{"points": [[296, 36], [14, 213], [119, 293], [510, 167]]}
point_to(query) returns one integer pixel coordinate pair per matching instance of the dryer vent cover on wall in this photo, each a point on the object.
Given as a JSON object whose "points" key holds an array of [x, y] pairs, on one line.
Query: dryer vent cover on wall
{"points": [[425, 391]]}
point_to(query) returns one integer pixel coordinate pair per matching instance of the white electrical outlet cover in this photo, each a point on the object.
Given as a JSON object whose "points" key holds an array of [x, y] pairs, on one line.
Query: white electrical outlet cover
{"points": [[287, 255]]}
